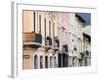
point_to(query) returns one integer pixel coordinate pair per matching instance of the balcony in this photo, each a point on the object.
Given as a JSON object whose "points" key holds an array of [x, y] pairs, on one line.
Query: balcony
{"points": [[48, 44], [56, 44], [65, 49], [82, 56], [32, 39], [87, 53]]}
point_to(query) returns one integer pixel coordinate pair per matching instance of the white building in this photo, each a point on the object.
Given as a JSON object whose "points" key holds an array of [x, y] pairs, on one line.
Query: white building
{"points": [[87, 45], [76, 24]]}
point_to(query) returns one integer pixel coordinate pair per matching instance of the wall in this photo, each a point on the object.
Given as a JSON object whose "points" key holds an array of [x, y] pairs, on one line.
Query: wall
{"points": [[5, 41]]}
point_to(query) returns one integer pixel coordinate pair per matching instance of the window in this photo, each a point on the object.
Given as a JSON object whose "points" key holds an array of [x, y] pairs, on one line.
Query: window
{"points": [[40, 24], [82, 55], [35, 61], [26, 56], [41, 61]]}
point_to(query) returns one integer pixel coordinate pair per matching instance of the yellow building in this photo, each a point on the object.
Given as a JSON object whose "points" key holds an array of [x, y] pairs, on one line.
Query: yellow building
{"points": [[40, 39]]}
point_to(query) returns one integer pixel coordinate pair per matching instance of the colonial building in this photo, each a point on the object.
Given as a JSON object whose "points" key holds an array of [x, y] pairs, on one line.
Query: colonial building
{"points": [[63, 30], [40, 39], [75, 39], [70, 34], [54, 39], [87, 45], [80, 25]]}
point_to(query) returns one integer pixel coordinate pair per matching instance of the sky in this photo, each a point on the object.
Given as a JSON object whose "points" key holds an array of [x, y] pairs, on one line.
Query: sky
{"points": [[86, 17]]}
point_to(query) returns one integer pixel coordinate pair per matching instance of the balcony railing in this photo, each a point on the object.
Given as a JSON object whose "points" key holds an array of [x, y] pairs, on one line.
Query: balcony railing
{"points": [[82, 56], [33, 39], [48, 44], [56, 44], [49, 41], [65, 48]]}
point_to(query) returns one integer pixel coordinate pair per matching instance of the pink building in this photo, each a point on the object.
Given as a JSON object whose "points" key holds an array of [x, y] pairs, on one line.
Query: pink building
{"points": [[63, 30]]}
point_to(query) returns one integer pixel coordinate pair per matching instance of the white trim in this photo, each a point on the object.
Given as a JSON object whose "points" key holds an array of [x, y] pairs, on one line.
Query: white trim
{"points": [[14, 42]]}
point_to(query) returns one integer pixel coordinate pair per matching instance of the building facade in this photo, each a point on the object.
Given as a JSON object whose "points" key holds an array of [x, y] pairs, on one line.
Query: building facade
{"points": [[63, 30], [40, 43], [87, 45], [80, 23], [54, 39]]}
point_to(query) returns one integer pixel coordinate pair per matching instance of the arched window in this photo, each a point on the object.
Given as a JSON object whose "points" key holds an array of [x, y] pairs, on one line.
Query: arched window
{"points": [[35, 61], [41, 61], [46, 61], [50, 61]]}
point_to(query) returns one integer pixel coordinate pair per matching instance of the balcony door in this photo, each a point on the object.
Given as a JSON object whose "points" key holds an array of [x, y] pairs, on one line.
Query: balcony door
{"points": [[41, 61], [50, 61], [59, 60], [65, 60], [46, 61], [35, 62]]}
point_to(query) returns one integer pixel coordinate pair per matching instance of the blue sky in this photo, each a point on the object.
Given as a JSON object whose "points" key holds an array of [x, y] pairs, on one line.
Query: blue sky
{"points": [[86, 17]]}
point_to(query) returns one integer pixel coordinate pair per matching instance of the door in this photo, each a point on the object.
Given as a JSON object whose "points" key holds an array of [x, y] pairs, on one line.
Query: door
{"points": [[59, 60], [65, 60], [46, 61]]}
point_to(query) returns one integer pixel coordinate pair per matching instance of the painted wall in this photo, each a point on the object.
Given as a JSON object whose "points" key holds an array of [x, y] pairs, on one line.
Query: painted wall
{"points": [[28, 25], [63, 28]]}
